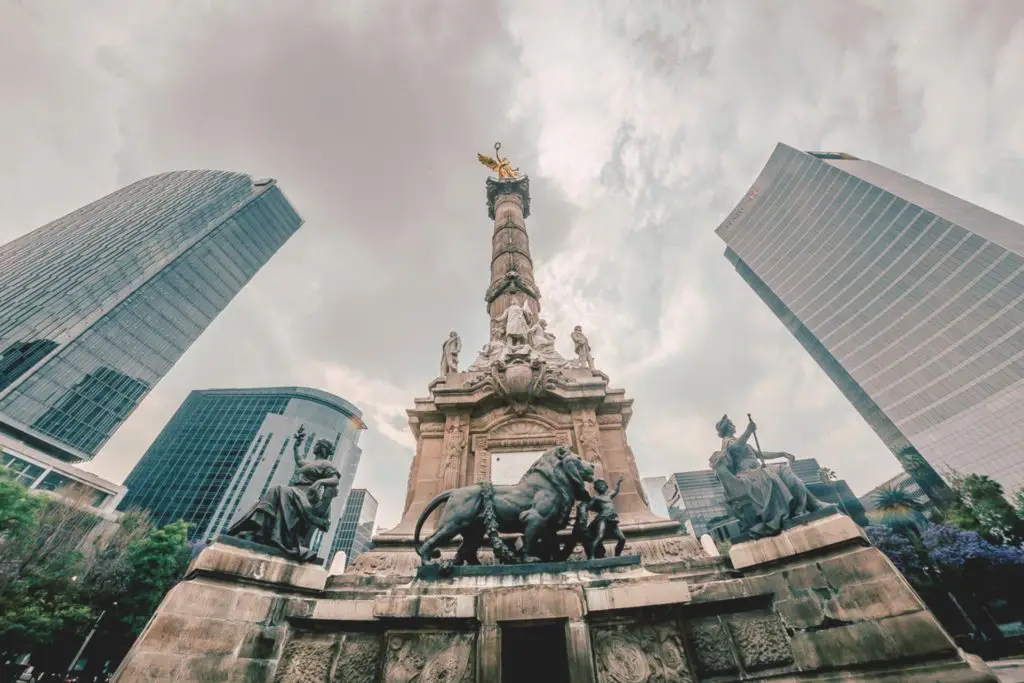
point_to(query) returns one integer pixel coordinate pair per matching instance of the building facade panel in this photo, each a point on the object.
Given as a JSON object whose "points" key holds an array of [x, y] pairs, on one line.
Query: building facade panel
{"points": [[910, 299], [224, 448], [103, 302], [354, 530]]}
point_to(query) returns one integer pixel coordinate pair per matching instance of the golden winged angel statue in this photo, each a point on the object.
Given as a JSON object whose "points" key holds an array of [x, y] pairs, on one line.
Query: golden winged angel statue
{"points": [[501, 166]]}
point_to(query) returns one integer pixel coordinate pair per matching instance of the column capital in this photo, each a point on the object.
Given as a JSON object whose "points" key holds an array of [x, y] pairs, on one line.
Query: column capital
{"points": [[499, 187]]}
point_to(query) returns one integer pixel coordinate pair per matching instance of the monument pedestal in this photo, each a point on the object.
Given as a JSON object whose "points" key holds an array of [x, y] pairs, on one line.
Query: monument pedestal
{"points": [[813, 604]]}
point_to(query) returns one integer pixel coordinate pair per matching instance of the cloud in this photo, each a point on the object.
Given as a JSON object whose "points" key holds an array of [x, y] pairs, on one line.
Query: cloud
{"points": [[641, 126]]}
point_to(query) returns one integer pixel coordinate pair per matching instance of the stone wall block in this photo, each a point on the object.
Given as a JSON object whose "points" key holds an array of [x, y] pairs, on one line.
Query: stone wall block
{"points": [[801, 613], [200, 599], [263, 642], [874, 600], [863, 564], [150, 667]]}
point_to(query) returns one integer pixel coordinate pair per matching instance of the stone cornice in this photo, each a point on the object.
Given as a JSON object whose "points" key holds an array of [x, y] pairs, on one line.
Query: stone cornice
{"points": [[497, 188]]}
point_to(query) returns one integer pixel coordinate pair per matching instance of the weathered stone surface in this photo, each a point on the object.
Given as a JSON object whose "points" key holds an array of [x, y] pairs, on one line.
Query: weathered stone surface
{"points": [[832, 531], [220, 559], [306, 660], [343, 610], [201, 599], [762, 643], [425, 606], [150, 667], [430, 657], [225, 669], [520, 604], [874, 600], [801, 613], [710, 642], [192, 635], [627, 596], [640, 653], [870, 642], [361, 659], [262, 642], [579, 650]]}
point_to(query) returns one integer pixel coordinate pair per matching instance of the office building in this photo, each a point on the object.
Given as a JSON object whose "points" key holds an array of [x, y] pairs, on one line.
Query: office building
{"points": [[355, 528], [224, 448], [911, 300], [696, 499], [38, 471], [653, 488], [98, 305]]}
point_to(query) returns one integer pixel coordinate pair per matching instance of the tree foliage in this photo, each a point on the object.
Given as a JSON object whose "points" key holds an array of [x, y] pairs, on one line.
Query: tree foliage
{"points": [[978, 505], [62, 567]]}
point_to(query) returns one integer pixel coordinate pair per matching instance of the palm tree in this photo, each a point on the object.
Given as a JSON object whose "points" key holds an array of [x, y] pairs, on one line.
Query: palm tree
{"points": [[896, 508]]}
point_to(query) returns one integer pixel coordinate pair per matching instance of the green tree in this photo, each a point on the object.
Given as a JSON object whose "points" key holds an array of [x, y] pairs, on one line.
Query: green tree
{"points": [[131, 587], [38, 600], [978, 505]]}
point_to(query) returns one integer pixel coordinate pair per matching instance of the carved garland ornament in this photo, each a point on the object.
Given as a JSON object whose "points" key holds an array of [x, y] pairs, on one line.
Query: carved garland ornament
{"points": [[429, 658], [641, 653]]}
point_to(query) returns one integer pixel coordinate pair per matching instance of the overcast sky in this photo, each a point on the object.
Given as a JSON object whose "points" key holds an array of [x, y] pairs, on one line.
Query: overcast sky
{"points": [[640, 129]]}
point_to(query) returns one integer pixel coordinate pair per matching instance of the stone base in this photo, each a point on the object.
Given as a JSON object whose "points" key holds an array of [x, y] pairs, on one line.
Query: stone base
{"points": [[835, 611]]}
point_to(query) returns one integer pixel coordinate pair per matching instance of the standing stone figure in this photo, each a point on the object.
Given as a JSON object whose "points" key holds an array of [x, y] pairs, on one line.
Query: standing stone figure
{"points": [[286, 516], [450, 354], [582, 344], [606, 523], [517, 325], [761, 496]]}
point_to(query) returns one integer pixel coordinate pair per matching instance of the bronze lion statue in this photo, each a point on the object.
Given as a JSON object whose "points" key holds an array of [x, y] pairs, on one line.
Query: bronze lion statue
{"points": [[538, 507]]}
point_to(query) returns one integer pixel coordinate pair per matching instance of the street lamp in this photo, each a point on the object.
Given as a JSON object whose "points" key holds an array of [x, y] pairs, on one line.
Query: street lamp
{"points": [[85, 643]]}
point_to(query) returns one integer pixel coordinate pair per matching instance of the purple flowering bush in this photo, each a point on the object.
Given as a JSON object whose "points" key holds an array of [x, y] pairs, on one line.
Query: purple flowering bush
{"points": [[950, 548], [903, 552]]}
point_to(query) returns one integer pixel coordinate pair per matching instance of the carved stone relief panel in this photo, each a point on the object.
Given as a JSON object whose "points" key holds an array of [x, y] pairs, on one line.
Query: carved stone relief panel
{"points": [[481, 459], [360, 658], [430, 657], [588, 440], [456, 439], [307, 658], [762, 643], [640, 653], [745, 643]]}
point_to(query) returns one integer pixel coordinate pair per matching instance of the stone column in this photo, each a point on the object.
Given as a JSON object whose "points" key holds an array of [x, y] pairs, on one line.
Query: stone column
{"points": [[579, 651], [488, 654], [508, 204]]}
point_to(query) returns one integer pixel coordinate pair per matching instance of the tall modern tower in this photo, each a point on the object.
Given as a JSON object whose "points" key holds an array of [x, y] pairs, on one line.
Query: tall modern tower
{"points": [[98, 305], [911, 300], [355, 528], [224, 448]]}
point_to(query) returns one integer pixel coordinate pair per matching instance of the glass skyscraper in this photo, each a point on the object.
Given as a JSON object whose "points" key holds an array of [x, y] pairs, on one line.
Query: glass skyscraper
{"points": [[910, 299], [98, 305], [224, 448], [355, 528]]}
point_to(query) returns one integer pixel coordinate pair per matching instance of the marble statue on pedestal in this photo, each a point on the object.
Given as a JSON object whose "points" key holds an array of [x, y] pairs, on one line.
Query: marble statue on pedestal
{"points": [[286, 516], [761, 496], [517, 324], [450, 354], [584, 358]]}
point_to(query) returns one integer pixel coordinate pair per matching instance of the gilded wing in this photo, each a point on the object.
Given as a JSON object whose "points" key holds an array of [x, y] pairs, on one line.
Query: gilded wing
{"points": [[488, 162]]}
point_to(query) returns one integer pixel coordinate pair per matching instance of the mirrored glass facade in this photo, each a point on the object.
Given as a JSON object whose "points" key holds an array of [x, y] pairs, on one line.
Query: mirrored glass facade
{"points": [[355, 528], [910, 299], [224, 448], [98, 305]]}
